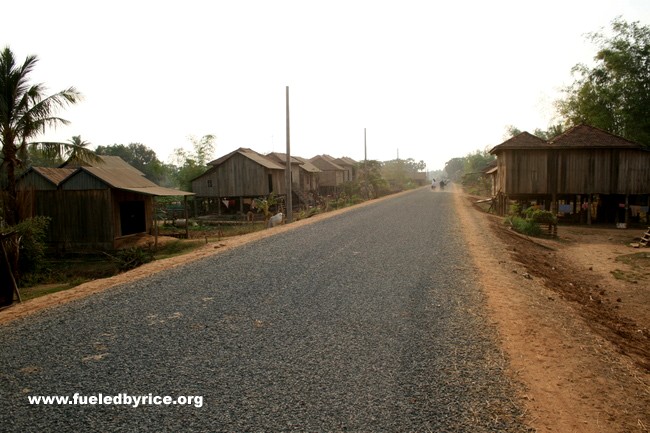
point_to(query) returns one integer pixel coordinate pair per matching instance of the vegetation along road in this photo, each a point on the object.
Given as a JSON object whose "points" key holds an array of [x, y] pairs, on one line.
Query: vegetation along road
{"points": [[367, 321]]}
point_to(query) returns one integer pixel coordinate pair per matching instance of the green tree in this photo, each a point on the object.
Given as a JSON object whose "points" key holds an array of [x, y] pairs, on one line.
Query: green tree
{"points": [[614, 95], [369, 178], [141, 157], [455, 168], [195, 163], [25, 112]]}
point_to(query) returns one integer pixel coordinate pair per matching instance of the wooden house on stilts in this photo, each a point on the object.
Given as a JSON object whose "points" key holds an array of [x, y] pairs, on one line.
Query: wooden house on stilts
{"points": [[235, 179], [585, 175]]}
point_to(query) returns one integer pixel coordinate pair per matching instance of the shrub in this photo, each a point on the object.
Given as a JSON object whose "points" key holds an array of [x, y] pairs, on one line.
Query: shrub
{"points": [[26, 249], [524, 226], [131, 258], [540, 216]]}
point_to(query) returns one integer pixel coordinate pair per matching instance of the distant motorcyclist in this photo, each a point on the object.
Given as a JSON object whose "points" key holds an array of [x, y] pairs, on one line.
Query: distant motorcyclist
{"points": [[433, 184], [442, 184]]}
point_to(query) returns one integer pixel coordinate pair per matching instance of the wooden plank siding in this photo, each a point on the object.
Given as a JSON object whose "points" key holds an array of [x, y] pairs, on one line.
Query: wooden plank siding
{"points": [[523, 172], [239, 176], [73, 222], [582, 165], [572, 171]]}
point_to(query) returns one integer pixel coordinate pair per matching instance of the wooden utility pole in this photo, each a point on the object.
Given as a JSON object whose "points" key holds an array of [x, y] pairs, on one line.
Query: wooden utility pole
{"points": [[365, 163], [287, 169]]}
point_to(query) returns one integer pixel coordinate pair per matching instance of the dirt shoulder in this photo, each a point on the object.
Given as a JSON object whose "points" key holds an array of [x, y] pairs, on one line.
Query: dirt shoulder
{"points": [[577, 337]]}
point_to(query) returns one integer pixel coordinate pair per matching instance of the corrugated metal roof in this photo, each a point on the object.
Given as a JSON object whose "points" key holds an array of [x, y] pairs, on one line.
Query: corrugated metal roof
{"points": [[250, 154], [107, 161], [54, 175], [130, 180]]}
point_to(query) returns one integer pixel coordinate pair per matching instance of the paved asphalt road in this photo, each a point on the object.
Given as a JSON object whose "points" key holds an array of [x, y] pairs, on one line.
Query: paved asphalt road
{"points": [[368, 321]]}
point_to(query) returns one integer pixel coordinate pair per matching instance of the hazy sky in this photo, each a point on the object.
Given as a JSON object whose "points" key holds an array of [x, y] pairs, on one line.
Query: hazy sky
{"points": [[431, 80]]}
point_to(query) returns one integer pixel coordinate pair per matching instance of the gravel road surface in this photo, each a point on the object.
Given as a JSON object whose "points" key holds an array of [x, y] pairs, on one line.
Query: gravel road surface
{"points": [[368, 321]]}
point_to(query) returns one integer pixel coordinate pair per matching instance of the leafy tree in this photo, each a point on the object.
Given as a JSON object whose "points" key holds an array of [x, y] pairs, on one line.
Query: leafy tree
{"points": [[193, 164], [614, 95], [455, 168], [399, 173], [371, 183], [141, 157], [25, 112], [552, 131]]}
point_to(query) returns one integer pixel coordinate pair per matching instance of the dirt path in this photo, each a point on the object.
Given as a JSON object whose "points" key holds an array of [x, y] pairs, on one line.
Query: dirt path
{"points": [[578, 373]]}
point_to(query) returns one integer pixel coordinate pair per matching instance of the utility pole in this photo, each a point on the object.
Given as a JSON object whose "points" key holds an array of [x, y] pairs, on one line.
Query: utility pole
{"points": [[365, 163], [287, 169]]}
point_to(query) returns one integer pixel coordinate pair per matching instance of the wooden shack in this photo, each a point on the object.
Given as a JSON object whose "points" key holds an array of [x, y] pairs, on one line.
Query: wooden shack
{"points": [[349, 166], [304, 177], [91, 207], [585, 174], [235, 179], [332, 175]]}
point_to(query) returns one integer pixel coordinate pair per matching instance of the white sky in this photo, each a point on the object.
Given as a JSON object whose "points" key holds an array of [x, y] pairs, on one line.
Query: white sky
{"points": [[430, 79]]}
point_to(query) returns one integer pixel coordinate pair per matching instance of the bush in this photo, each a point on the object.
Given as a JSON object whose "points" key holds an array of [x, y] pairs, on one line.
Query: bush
{"points": [[26, 249], [131, 258], [524, 226], [540, 216]]}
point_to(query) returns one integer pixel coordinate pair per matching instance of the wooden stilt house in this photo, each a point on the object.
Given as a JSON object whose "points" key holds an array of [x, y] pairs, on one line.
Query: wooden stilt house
{"points": [[584, 175], [237, 178]]}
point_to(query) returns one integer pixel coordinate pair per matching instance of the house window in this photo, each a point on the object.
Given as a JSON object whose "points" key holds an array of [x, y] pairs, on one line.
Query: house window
{"points": [[209, 183]]}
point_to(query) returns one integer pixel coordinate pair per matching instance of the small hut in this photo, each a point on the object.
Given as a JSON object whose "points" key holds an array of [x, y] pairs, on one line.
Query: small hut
{"points": [[92, 206], [332, 175]]}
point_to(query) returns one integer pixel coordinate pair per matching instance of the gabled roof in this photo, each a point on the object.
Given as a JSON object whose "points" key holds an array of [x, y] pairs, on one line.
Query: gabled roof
{"points": [[129, 180], [250, 154], [306, 165], [53, 175], [524, 140], [583, 136], [325, 163], [345, 161], [107, 161], [281, 158], [302, 162]]}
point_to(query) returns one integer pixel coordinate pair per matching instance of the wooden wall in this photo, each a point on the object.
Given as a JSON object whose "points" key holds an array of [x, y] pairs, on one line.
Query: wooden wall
{"points": [[239, 176], [573, 171], [83, 219]]}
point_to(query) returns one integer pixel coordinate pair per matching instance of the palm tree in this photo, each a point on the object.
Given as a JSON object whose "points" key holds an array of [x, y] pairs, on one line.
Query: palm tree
{"points": [[76, 149], [25, 112]]}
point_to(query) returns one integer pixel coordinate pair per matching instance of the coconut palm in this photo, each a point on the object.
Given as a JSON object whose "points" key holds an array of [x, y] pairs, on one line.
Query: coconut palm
{"points": [[25, 112]]}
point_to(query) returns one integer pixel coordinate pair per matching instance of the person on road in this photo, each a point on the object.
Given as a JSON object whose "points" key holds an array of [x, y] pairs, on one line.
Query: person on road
{"points": [[433, 184]]}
